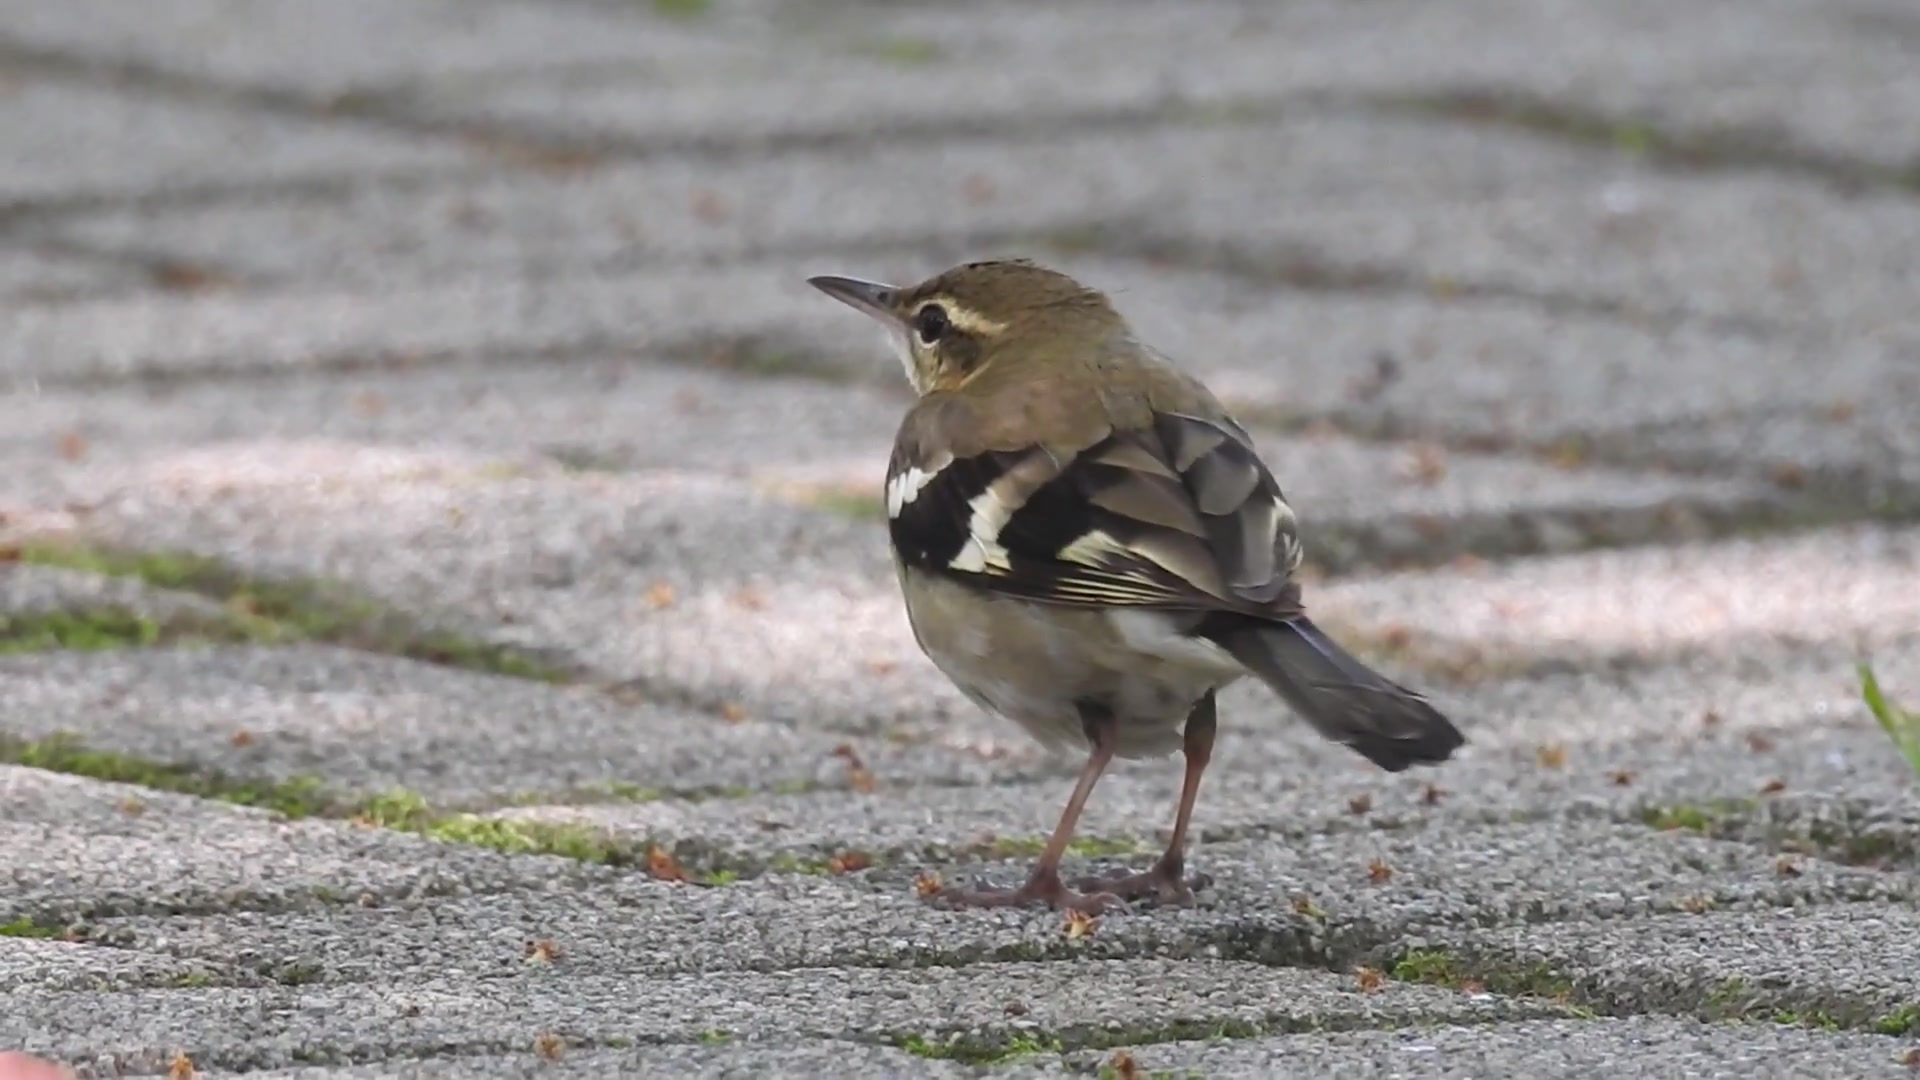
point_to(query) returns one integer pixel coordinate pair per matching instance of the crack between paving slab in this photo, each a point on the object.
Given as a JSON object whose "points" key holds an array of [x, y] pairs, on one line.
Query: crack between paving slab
{"points": [[1683, 147], [392, 111]]}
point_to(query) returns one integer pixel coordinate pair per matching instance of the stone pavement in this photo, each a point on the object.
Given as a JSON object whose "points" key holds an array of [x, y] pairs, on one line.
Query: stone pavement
{"points": [[448, 629]]}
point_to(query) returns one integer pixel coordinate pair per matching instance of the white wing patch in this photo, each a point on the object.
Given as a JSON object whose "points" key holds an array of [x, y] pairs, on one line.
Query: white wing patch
{"points": [[905, 487], [1092, 549], [983, 548]]}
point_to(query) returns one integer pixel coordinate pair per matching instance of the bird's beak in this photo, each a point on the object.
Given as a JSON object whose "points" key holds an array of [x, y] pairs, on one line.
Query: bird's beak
{"points": [[871, 297]]}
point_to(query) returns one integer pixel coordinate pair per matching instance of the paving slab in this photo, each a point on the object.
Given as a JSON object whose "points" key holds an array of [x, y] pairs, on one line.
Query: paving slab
{"points": [[1559, 1049], [1851, 586], [363, 47], [29, 275], [68, 140], [80, 848], [212, 333], [1851, 963], [451, 1014], [651, 575], [1748, 247], [365, 724], [944, 194], [1442, 885]]}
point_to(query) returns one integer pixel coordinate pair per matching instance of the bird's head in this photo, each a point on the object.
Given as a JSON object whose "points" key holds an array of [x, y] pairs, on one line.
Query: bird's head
{"points": [[963, 322]]}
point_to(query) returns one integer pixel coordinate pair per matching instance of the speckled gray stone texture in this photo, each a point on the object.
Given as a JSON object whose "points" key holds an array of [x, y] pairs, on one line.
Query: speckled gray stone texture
{"points": [[495, 311]]}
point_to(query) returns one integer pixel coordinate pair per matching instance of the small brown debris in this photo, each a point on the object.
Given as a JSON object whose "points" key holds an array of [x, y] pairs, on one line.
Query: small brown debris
{"points": [[542, 951], [1842, 411], [73, 446], [243, 737], [549, 1046], [1787, 866], [882, 667], [1696, 905], [181, 1069], [1911, 1059], [1396, 636], [1472, 986], [1552, 756], [1425, 464], [1759, 744], [750, 600], [1371, 979], [1015, 1008], [1304, 905], [1122, 1066], [1773, 787], [707, 206], [1569, 453], [1079, 925], [663, 866], [132, 807], [978, 188], [926, 883], [1433, 793], [660, 595], [849, 862], [1378, 872], [1359, 804], [1622, 777], [1787, 474], [1710, 718], [174, 276], [859, 777], [733, 712], [368, 403]]}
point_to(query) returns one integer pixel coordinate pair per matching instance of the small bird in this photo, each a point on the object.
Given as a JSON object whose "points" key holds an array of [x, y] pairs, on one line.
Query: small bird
{"points": [[1089, 545]]}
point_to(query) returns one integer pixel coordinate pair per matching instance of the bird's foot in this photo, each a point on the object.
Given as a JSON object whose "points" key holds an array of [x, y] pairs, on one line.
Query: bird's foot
{"points": [[1165, 884], [1043, 887]]}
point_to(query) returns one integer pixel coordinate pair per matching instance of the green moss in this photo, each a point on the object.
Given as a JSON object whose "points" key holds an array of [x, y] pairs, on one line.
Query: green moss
{"points": [[716, 1036], [25, 927], [83, 631], [1707, 818], [858, 505], [1008, 847], [1902, 1021], [682, 9], [971, 1051], [905, 51], [296, 797], [1442, 967], [1432, 966], [407, 811], [291, 610]]}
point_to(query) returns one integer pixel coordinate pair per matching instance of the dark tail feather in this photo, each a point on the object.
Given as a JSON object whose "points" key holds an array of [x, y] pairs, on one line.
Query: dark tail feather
{"points": [[1343, 699]]}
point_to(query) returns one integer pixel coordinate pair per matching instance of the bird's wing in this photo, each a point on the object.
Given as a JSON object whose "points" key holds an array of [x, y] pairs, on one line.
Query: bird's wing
{"points": [[1181, 514]]}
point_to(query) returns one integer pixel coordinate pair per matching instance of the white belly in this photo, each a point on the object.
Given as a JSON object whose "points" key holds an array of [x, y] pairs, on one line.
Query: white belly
{"points": [[1032, 664]]}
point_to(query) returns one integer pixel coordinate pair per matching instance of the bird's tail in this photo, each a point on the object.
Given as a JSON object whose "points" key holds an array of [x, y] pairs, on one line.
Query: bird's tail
{"points": [[1346, 701]]}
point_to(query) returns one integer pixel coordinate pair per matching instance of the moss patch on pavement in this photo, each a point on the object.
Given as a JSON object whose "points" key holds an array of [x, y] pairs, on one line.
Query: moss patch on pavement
{"points": [[283, 610]]}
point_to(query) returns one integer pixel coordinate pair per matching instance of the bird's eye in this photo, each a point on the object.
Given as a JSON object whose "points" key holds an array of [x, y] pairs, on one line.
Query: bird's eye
{"points": [[931, 323]]}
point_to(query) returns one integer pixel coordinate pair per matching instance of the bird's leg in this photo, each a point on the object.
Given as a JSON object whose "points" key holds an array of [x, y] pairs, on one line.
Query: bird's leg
{"points": [[1164, 882], [1043, 885]]}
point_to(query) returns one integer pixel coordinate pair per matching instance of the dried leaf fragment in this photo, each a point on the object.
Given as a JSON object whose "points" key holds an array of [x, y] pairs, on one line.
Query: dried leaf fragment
{"points": [[1371, 979], [927, 883], [1079, 925], [549, 1046], [1378, 872], [1621, 777], [1359, 804], [849, 862], [181, 1069], [542, 951], [1773, 787], [1552, 756], [1122, 1066], [660, 595], [663, 866]]}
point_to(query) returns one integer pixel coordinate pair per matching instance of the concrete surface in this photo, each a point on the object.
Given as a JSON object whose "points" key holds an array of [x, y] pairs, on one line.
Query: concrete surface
{"points": [[446, 627]]}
